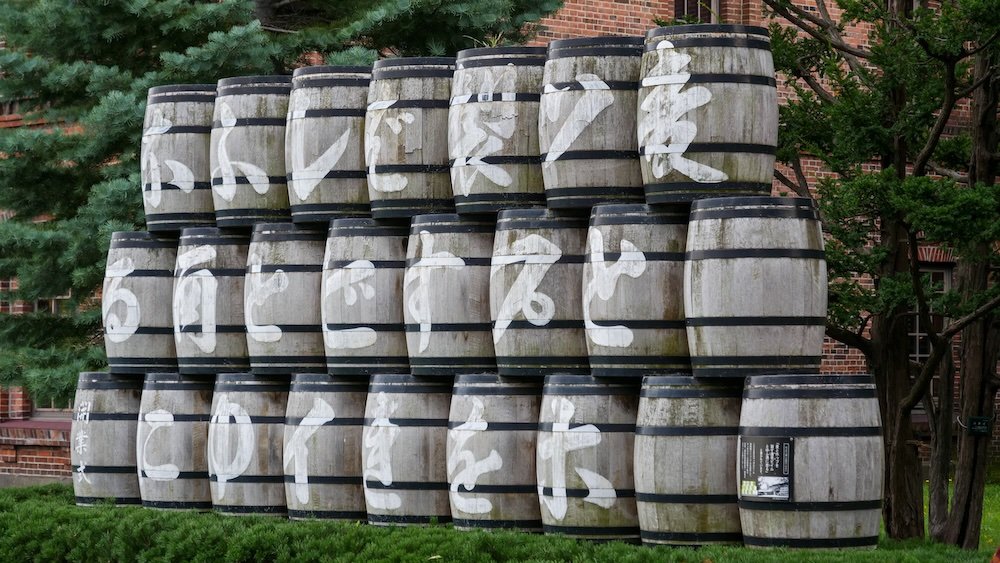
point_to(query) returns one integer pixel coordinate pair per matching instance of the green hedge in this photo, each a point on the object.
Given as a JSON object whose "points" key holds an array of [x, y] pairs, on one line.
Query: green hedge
{"points": [[42, 524]]}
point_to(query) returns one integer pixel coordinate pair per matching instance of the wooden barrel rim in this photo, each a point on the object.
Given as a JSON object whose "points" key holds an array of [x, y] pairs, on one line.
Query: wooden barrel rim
{"points": [[713, 202], [142, 239], [810, 379], [259, 80], [600, 41], [705, 28], [466, 54], [415, 61], [534, 217], [638, 214], [330, 69], [352, 227], [106, 380]]}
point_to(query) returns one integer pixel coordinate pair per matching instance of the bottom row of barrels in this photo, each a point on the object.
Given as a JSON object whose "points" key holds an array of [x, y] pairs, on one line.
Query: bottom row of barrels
{"points": [[790, 460]]}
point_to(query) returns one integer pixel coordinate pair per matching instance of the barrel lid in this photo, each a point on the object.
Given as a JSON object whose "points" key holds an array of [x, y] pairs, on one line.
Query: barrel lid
{"points": [[705, 28], [413, 61], [601, 41], [330, 69], [490, 51], [255, 80], [179, 88]]}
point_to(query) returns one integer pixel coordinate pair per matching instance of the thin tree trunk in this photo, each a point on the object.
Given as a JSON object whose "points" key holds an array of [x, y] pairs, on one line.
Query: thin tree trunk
{"points": [[942, 435]]}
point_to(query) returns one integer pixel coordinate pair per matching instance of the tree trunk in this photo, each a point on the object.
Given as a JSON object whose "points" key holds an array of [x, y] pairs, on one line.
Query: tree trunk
{"points": [[903, 510], [941, 419]]}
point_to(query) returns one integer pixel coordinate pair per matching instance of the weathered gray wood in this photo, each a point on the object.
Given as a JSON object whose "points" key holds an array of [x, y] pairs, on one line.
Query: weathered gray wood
{"points": [[209, 328], [491, 444], [586, 430], [685, 461], [322, 447], [493, 129], [172, 441], [404, 450], [586, 124], [245, 437], [446, 295], [282, 299], [249, 183], [755, 286], [406, 137], [708, 112], [633, 306], [362, 298], [175, 172], [102, 439], [835, 493], [324, 143], [535, 299], [136, 303]]}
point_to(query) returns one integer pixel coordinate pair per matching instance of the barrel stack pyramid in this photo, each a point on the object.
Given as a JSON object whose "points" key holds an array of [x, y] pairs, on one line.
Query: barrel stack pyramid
{"points": [[544, 289]]}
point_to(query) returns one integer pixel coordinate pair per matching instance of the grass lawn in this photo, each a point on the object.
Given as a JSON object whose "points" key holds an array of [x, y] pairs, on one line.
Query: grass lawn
{"points": [[42, 524]]}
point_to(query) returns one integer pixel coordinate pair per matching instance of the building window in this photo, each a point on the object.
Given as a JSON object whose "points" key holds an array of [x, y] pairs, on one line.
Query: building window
{"points": [[920, 346], [696, 11]]}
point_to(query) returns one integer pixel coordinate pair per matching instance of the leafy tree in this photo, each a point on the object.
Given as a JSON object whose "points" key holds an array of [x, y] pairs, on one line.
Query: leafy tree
{"points": [[84, 67], [877, 115]]}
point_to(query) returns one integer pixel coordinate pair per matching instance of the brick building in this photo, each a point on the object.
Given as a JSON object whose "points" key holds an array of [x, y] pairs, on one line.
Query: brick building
{"points": [[33, 445]]}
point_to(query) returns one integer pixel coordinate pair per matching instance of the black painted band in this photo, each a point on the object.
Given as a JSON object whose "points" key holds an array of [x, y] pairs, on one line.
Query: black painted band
{"points": [[764, 361], [682, 42], [207, 99], [474, 160], [813, 379], [177, 504], [756, 321], [498, 524], [297, 420], [255, 91], [616, 532], [562, 53], [692, 392], [329, 479], [813, 432], [749, 503], [807, 393], [686, 499], [335, 175], [584, 493], [241, 479], [407, 485], [87, 501], [409, 169], [413, 389], [796, 212], [718, 78], [750, 148], [499, 489], [253, 122], [726, 253], [327, 112], [182, 475], [683, 192], [402, 73], [504, 391], [377, 327], [411, 104], [404, 519], [184, 129], [301, 83], [576, 86], [499, 426], [249, 509], [686, 430], [592, 155], [603, 428], [691, 537], [244, 181], [537, 60], [495, 97], [863, 541], [328, 514], [109, 469]]}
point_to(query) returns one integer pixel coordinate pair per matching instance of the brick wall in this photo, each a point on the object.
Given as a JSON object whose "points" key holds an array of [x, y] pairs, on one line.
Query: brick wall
{"points": [[35, 448]]}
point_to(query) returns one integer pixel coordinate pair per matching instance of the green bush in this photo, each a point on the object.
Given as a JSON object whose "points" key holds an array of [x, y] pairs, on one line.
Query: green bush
{"points": [[42, 524]]}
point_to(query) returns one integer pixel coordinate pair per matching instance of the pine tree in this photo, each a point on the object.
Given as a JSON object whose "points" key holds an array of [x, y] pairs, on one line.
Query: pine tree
{"points": [[83, 69]]}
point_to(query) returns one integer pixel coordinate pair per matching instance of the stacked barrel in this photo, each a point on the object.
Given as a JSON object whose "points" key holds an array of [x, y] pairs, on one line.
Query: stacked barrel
{"points": [[520, 288]]}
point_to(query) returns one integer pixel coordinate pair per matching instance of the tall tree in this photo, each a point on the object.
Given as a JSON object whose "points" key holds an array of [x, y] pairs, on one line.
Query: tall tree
{"points": [[876, 113], [83, 67]]}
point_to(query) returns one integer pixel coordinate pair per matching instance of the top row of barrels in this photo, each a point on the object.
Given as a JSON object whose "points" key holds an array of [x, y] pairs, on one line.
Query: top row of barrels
{"points": [[686, 112]]}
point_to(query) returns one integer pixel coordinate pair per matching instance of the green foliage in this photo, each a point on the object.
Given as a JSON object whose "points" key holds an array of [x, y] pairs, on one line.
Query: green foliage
{"points": [[41, 524], [84, 68]]}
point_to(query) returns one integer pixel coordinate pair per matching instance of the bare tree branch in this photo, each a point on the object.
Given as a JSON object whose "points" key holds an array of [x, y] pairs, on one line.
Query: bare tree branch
{"points": [[852, 339], [786, 181], [972, 87], [938, 343], [814, 85], [957, 326], [947, 105], [948, 173], [820, 28]]}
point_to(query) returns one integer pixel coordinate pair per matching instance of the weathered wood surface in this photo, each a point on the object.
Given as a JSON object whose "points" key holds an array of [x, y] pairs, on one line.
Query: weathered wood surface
{"points": [[175, 173], [324, 143], [249, 180]]}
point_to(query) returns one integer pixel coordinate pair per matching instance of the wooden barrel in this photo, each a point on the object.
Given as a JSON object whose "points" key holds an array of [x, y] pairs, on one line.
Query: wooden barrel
{"points": [[102, 439], [754, 286], [136, 303], [281, 299], [324, 143], [708, 112], [493, 129], [209, 328], [362, 299], [245, 444], [176, 177], [323, 425], [633, 307], [171, 441], [248, 150], [586, 428], [535, 293], [492, 434], [685, 460], [406, 137], [446, 295], [403, 451], [586, 125], [810, 462]]}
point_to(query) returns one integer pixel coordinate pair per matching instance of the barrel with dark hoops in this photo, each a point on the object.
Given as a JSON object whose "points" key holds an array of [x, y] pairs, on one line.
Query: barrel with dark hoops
{"points": [[492, 434], [445, 290], [102, 439], [362, 299], [209, 328], [586, 429], [708, 112], [249, 182], [136, 303], [324, 143], [403, 450], [685, 460], [175, 172], [406, 137], [281, 299], [493, 129], [586, 124], [633, 306], [755, 286], [322, 446], [535, 293], [811, 462], [245, 444], [171, 441]]}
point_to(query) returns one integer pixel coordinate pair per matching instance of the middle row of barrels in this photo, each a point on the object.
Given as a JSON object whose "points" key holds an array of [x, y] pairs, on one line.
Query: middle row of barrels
{"points": [[734, 288], [673, 461]]}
